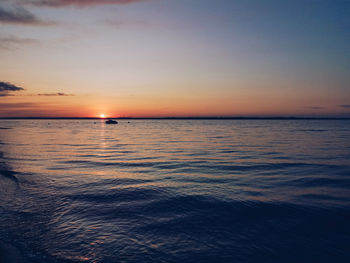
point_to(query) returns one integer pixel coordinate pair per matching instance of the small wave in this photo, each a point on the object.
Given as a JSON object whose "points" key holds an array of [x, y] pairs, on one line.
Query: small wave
{"points": [[120, 164], [111, 182], [118, 195], [201, 211], [311, 130], [9, 174], [306, 182], [264, 167], [324, 197]]}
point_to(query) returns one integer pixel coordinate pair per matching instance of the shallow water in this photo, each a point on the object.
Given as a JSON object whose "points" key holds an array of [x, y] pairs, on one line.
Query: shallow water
{"points": [[176, 190]]}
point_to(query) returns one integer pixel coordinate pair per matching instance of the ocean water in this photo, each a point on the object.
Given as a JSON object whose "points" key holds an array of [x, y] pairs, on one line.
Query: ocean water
{"points": [[176, 190]]}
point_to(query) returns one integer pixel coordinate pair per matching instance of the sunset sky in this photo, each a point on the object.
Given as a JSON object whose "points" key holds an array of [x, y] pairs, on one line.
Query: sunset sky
{"points": [[157, 58]]}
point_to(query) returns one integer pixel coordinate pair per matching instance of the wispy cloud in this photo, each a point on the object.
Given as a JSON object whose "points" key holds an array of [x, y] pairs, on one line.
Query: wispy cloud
{"points": [[22, 105], [120, 23], [9, 109], [21, 16], [315, 108], [54, 94], [16, 12], [6, 89], [344, 106], [81, 3], [12, 42], [5, 94]]}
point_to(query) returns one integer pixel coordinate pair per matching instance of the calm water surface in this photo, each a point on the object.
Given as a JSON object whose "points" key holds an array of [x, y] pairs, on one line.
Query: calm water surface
{"points": [[176, 190]]}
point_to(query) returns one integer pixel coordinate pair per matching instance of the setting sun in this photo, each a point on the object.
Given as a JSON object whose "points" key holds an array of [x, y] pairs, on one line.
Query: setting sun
{"points": [[102, 116]]}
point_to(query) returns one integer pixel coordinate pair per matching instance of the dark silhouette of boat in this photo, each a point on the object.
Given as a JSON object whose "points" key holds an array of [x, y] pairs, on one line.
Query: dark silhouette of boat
{"points": [[111, 122]]}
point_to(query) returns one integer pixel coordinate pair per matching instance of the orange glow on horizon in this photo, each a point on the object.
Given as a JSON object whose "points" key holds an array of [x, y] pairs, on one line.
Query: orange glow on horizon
{"points": [[102, 116]]}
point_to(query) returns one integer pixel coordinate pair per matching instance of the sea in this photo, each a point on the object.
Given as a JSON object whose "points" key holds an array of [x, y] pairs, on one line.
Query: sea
{"points": [[175, 191]]}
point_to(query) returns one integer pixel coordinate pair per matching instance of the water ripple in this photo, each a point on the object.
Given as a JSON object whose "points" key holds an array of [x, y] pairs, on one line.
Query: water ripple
{"points": [[173, 191]]}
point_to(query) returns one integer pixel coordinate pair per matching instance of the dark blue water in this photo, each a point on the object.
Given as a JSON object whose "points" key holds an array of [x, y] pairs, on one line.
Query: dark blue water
{"points": [[176, 190]]}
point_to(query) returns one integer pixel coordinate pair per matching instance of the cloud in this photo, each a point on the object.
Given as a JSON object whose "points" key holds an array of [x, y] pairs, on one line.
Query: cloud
{"points": [[315, 108], [20, 109], [54, 94], [344, 106], [119, 23], [81, 3], [23, 105], [12, 42], [19, 15], [59, 94], [4, 94], [6, 88]]}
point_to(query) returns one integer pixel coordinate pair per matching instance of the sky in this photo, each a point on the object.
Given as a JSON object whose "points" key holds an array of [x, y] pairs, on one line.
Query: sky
{"points": [[174, 58]]}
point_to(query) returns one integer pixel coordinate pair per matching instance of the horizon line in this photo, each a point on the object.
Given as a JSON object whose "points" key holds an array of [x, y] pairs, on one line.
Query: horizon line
{"points": [[180, 118]]}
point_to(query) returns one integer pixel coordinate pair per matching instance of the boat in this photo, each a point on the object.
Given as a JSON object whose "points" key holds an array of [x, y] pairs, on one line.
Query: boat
{"points": [[111, 122]]}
